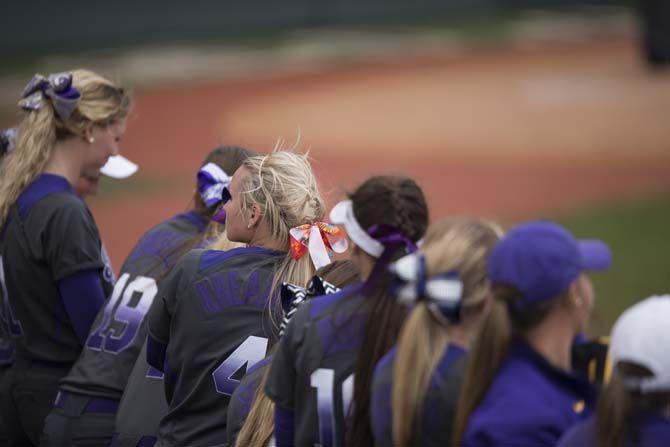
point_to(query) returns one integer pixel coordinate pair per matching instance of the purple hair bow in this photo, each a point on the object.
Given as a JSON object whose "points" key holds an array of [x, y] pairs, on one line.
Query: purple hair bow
{"points": [[57, 87], [392, 240]]}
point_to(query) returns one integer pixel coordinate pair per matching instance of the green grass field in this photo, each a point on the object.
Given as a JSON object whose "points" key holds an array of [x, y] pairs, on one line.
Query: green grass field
{"points": [[639, 234]]}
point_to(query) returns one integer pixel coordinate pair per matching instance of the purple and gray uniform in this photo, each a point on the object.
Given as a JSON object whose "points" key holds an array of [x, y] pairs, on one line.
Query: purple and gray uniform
{"points": [[53, 280], [211, 322], [119, 331], [312, 370]]}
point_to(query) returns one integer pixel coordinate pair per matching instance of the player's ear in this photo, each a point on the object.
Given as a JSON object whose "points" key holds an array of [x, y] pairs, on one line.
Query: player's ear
{"points": [[255, 215], [87, 134]]}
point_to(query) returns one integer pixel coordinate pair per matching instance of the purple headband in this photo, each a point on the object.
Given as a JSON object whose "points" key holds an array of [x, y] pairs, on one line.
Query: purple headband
{"points": [[393, 240], [57, 87]]}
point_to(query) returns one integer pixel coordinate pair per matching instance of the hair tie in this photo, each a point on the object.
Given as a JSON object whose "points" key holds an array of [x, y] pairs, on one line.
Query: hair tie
{"points": [[392, 240], [57, 87], [443, 292], [318, 239]]}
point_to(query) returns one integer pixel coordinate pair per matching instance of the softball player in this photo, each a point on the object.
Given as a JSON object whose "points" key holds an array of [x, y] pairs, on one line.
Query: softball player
{"points": [[519, 388], [143, 402], [251, 412], [330, 339], [216, 312], [54, 279], [89, 395], [412, 397], [633, 408]]}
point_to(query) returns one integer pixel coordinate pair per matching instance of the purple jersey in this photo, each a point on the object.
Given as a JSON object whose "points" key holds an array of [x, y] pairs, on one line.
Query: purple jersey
{"points": [[440, 398], [649, 430], [529, 403]]}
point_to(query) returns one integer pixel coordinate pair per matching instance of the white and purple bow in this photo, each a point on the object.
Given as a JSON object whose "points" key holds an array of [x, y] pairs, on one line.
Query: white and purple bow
{"points": [[212, 182], [57, 87], [443, 291]]}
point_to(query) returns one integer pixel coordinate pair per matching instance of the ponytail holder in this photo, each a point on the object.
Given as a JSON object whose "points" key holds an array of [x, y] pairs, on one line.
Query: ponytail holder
{"points": [[317, 239], [392, 240], [293, 296], [57, 87], [213, 185], [442, 293]]}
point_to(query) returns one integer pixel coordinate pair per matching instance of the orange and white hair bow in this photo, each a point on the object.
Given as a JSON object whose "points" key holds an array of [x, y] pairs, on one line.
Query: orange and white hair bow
{"points": [[317, 238]]}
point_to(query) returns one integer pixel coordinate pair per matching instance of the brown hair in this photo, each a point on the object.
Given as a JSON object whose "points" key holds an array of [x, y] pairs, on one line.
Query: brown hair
{"points": [[398, 202], [228, 158], [101, 104], [503, 321], [619, 409], [259, 424], [461, 245]]}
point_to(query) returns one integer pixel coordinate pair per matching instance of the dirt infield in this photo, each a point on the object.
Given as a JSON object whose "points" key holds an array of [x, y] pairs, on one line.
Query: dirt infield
{"points": [[504, 132]]}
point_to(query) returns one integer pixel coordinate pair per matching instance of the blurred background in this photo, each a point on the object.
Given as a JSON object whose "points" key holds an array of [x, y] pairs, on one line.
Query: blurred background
{"points": [[505, 109]]}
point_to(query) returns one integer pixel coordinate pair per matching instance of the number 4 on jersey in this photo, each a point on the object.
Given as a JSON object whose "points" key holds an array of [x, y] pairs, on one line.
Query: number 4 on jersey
{"points": [[250, 352]]}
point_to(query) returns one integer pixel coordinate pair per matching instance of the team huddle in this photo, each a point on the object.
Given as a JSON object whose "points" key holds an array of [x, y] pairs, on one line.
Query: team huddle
{"points": [[260, 318]]}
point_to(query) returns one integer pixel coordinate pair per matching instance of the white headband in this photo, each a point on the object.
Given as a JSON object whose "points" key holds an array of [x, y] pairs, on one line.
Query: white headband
{"points": [[343, 214]]}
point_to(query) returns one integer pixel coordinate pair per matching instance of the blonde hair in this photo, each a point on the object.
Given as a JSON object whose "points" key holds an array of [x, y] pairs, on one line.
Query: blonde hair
{"points": [[283, 186], [101, 104], [462, 245]]}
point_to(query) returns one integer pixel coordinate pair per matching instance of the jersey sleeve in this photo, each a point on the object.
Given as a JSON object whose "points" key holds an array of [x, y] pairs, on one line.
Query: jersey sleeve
{"points": [[71, 241], [282, 378]]}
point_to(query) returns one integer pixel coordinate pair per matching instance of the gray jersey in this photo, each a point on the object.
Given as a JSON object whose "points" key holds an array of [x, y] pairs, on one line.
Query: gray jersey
{"points": [[212, 314], [50, 234], [119, 330], [312, 369]]}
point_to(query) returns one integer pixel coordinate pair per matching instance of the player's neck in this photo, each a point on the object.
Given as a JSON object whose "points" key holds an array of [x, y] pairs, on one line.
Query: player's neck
{"points": [[263, 238], [553, 340], [65, 161]]}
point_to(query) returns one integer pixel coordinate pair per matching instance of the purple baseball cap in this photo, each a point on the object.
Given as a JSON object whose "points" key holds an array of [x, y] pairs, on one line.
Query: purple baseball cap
{"points": [[541, 259]]}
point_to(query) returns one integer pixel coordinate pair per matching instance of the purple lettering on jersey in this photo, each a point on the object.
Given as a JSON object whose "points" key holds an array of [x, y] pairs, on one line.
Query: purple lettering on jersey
{"points": [[222, 290]]}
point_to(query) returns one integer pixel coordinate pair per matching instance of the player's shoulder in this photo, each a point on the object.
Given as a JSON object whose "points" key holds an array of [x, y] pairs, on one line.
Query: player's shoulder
{"points": [[51, 200], [235, 258], [322, 306]]}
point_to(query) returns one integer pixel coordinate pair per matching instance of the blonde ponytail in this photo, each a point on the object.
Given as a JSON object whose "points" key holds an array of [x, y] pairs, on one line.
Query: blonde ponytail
{"points": [[421, 344], [283, 186], [485, 359], [461, 245], [101, 103]]}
